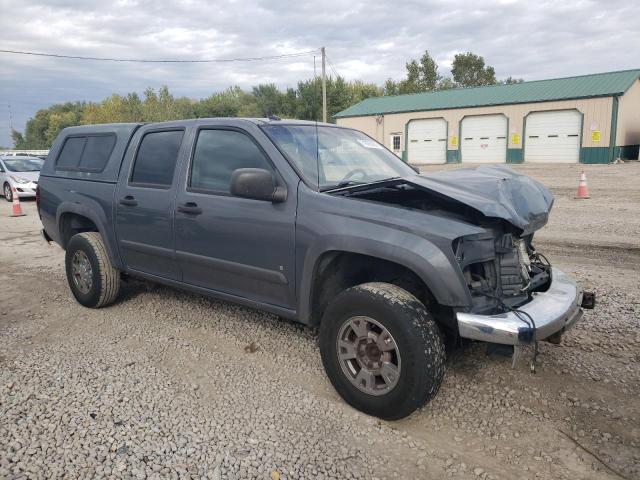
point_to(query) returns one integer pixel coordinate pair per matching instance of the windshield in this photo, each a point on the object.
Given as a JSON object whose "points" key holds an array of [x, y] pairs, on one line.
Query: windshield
{"points": [[23, 164], [336, 157]]}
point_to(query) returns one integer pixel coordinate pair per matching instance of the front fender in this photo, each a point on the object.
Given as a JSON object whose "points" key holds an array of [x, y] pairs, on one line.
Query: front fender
{"points": [[435, 268]]}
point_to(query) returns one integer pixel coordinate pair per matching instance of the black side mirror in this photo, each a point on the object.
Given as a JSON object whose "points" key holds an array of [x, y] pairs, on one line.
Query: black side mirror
{"points": [[258, 184]]}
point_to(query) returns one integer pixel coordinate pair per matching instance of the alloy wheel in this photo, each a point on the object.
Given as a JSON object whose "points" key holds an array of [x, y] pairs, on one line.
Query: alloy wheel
{"points": [[368, 355], [82, 272]]}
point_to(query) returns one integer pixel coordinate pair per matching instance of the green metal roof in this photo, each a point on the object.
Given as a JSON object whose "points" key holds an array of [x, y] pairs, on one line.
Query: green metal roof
{"points": [[584, 86]]}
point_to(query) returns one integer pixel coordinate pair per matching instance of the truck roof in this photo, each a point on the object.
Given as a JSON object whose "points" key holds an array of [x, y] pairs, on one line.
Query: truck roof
{"points": [[97, 128]]}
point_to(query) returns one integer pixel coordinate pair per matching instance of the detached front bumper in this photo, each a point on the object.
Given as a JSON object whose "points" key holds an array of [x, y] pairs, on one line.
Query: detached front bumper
{"points": [[552, 311]]}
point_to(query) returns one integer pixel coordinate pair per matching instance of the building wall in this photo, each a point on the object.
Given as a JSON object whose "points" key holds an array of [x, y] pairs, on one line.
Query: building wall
{"points": [[628, 131], [596, 118]]}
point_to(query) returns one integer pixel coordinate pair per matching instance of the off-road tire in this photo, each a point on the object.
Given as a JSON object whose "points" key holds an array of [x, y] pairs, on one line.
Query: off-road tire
{"points": [[8, 195], [416, 335], [105, 284]]}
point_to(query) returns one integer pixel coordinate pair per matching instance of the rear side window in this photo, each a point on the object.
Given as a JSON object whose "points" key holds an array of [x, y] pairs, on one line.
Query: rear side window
{"points": [[69, 157], [218, 153], [156, 158], [97, 151], [87, 153]]}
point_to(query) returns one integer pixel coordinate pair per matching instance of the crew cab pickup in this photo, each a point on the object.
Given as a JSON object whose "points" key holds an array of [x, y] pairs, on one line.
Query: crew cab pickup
{"points": [[315, 223]]}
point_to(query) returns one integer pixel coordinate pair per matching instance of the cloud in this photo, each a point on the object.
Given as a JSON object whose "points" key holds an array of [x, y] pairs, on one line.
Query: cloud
{"points": [[367, 40]]}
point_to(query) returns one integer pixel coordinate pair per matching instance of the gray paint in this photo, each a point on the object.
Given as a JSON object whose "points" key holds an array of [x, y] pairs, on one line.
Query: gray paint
{"points": [[496, 191], [265, 254]]}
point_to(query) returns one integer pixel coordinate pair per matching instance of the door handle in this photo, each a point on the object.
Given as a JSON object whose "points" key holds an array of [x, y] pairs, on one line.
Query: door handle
{"points": [[129, 201], [190, 208]]}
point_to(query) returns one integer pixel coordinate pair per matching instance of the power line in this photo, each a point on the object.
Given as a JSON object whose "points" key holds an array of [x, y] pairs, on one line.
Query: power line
{"points": [[332, 67], [135, 60]]}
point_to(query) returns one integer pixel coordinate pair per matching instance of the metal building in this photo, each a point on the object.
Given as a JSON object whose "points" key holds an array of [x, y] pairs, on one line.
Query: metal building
{"points": [[588, 119]]}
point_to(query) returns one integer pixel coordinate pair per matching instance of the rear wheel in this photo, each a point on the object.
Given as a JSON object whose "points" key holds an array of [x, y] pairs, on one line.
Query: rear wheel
{"points": [[382, 350], [92, 279], [8, 194]]}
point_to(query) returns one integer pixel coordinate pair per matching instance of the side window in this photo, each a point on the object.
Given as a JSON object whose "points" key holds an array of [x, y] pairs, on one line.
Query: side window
{"points": [[87, 153], [1, 168], [69, 157], [97, 151], [156, 159], [218, 153]]}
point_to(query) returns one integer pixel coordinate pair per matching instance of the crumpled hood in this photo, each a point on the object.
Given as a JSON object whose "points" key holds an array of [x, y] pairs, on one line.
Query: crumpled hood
{"points": [[495, 191]]}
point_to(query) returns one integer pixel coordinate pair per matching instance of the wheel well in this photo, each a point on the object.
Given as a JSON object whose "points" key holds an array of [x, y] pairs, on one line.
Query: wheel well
{"points": [[337, 271], [72, 224]]}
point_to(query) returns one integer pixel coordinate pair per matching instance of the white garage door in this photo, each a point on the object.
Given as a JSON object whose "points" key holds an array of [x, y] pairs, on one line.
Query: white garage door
{"points": [[427, 141], [553, 137], [484, 139]]}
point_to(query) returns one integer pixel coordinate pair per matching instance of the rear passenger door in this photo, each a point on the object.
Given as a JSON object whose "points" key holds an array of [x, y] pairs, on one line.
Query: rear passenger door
{"points": [[238, 246], [145, 201]]}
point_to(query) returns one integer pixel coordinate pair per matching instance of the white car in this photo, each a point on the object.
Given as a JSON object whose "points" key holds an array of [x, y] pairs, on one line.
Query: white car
{"points": [[21, 172]]}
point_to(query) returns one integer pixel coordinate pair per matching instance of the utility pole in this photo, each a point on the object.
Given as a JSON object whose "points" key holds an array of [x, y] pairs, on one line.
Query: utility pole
{"points": [[10, 118], [324, 86]]}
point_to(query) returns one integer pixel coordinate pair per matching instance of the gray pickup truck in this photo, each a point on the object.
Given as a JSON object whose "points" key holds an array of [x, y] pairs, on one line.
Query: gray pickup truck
{"points": [[315, 223]]}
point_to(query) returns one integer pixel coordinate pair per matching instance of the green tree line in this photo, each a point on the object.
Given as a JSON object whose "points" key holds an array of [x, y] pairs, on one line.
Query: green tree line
{"points": [[302, 102]]}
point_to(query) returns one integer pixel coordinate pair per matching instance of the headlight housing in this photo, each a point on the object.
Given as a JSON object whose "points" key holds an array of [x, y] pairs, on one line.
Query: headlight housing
{"points": [[19, 179]]}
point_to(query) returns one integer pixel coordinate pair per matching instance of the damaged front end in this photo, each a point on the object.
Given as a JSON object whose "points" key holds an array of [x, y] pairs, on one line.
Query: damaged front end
{"points": [[518, 298], [501, 270]]}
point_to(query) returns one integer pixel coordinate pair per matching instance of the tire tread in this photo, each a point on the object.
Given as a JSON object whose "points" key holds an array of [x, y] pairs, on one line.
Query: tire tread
{"points": [[109, 276], [422, 333]]}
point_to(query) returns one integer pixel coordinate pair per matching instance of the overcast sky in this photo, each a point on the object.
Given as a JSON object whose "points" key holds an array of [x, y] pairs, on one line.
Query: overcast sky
{"points": [[365, 40]]}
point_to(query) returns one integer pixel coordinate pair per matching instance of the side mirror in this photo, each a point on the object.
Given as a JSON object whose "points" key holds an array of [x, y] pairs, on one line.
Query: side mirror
{"points": [[258, 184]]}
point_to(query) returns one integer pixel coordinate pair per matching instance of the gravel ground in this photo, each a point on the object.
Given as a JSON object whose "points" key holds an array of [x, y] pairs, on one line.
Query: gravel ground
{"points": [[166, 384]]}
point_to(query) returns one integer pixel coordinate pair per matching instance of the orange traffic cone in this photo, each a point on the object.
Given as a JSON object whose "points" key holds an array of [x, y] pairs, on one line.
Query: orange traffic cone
{"points": [[583, 192], [17, 209]]}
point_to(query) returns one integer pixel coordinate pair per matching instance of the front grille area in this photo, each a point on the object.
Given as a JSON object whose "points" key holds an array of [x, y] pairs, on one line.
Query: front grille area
{"points": [[514, 277], [501, 270]]}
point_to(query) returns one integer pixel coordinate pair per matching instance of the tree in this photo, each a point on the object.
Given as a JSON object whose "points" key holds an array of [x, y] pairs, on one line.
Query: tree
{"points": [[422, 76], [511, 81], [226, 103], [445, 83], [391, 87], [469, 71], [359, 90], [289, 100], [309, 100], [411, 84], [428, 72], [269, 99], [18, 139]]}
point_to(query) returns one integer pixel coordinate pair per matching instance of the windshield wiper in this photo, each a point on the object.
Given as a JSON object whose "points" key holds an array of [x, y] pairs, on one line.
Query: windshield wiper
{"points": [[351, 183], [340, 185], [348, 183]]}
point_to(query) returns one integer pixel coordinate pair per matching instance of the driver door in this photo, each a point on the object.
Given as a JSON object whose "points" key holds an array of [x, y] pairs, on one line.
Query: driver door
{"points": [[238, 246]]}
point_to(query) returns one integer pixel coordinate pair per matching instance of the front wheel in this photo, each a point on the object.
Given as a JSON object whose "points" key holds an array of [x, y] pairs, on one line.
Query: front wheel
{"points": [[382, 350], [8, 194], [92, 279]]}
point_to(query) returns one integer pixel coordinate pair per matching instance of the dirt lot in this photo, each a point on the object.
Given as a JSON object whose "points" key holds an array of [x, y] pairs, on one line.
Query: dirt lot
{"points": [[162, 384]]}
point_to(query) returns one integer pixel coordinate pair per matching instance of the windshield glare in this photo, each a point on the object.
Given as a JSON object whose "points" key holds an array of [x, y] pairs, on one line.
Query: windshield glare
{"points": [[23, 164], [336, 156]]}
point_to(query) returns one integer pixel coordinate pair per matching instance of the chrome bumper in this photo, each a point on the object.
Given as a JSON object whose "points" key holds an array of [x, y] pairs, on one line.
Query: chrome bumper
{"points": [[552, 311]]}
